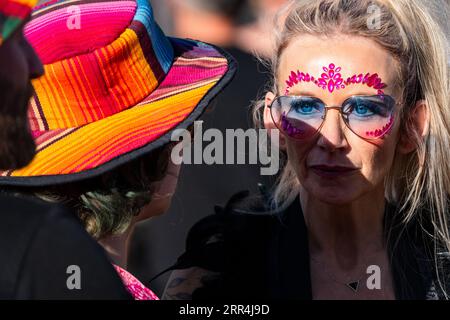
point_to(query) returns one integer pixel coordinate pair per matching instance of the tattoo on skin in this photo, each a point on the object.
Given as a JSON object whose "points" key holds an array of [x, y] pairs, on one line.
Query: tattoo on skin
{"points": [[182, 288]]}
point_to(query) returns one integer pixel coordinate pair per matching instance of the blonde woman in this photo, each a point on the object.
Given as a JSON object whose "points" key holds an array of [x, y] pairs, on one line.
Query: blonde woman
{"points": [[360, 96]]}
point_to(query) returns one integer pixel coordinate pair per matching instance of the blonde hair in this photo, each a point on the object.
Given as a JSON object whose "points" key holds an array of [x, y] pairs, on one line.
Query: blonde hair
{"points": [[419, 183]]}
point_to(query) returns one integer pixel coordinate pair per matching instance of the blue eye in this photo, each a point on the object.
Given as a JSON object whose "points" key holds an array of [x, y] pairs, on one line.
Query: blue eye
{"points": [[306, 107], [366, 107], [363, 110]]}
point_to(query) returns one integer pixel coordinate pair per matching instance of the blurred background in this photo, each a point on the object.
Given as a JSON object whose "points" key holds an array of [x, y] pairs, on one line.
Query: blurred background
{"points": [[243, 28]]}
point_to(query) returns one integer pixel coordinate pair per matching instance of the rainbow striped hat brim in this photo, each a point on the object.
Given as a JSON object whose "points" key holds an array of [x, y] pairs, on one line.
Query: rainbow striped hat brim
{"points": [[115, 87], [13, 13]]}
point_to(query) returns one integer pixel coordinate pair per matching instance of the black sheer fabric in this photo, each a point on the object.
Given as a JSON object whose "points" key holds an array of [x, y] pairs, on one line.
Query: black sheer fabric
{"points": [[261, 254]]}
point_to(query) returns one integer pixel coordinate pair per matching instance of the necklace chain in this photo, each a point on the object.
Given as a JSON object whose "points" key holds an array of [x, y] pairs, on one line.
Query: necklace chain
{"points": [[352, 284]]}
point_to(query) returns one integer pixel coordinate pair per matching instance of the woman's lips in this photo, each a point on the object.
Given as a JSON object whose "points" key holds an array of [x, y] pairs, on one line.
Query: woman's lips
{"points": [[332, 171]]}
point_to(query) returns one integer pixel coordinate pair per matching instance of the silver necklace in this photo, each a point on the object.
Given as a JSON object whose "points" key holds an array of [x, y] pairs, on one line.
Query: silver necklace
{"points": [[352, 284]]}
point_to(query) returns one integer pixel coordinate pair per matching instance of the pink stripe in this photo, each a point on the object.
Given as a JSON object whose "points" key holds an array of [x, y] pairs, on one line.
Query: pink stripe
{"points": [[188, 74]]}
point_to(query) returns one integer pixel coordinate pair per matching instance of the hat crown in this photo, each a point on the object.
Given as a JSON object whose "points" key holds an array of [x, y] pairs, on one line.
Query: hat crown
{"points": [[100, 58], [64, 29]]}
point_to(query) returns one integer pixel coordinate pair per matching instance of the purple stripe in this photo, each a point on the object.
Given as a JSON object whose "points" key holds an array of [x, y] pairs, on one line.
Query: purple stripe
{"points": [[69, 131], [41, 112]]}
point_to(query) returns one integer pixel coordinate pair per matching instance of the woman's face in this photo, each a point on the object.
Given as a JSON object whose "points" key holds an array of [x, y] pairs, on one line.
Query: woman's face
{"points": [[162, 193], [366, 162]]}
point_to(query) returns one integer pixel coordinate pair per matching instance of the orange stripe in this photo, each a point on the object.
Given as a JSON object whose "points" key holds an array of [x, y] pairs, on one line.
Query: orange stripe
{"points": [[120, 127], [92, 97], [119, 74], [157, 129], [115, 89], [52, 107], [171, 122], [135, 75], [82, 105], [75, 93], [62, 91], [106, 77], [78, 145], [127, 54]]}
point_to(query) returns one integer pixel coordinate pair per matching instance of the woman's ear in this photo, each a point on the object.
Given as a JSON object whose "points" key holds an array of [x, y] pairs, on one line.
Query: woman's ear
{"points": [[268, 121], [419, 124]]}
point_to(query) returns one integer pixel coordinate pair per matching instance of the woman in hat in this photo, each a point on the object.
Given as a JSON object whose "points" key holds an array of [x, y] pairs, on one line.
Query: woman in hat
{"points": [[360, 94], [44, 251], [115, 88]]}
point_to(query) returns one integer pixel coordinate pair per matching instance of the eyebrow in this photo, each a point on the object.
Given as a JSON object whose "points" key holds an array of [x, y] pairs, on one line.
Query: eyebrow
{"points": [[302, 93], [310, 94]]}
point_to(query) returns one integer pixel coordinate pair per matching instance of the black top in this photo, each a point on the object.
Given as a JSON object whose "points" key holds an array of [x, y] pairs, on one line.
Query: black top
{"points": [[231, 110], [265, 255], [38, 242]]}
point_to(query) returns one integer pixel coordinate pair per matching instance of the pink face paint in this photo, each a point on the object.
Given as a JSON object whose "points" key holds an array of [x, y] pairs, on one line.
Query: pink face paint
{"points": [[332, 80], [381, 132], [289, 128]]}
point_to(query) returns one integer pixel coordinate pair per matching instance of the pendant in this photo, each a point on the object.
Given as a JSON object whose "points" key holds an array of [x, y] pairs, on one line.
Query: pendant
{"points": [[353, 285]]}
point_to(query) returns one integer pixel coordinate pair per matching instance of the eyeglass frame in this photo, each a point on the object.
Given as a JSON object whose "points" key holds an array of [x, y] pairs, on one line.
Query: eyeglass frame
{"points": [[336, 107]]}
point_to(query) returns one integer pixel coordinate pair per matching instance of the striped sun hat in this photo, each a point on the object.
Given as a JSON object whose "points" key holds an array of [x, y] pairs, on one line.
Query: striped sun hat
{"points": [[115, 87], [12, 14]]}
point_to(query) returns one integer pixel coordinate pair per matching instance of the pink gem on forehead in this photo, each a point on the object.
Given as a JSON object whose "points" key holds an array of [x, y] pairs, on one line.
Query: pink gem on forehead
{"points": [[332, 80]]}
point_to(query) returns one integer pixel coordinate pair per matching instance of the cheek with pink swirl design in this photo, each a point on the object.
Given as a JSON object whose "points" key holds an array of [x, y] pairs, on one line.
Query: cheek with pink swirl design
{"points": [[331, 79]]}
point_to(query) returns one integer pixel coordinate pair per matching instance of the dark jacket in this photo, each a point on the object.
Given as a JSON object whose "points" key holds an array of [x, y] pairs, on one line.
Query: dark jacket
{"points": [[38, 242], [261, 254]]}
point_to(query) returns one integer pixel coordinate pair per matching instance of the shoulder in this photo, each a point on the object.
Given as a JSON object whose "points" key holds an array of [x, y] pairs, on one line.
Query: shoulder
{"points": [[42, 242], [21, 218], [227, 252], [25, 220]]}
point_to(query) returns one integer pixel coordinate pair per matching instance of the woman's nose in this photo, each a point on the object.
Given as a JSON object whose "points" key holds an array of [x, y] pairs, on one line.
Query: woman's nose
{"points": [[331, 135]]}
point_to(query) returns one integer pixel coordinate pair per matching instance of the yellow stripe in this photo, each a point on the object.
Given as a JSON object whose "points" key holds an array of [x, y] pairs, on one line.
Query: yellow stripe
{"points": [[82, 142], [58, 106], [139, 82], [127, 54], [105, 76], [62, 91], [121, 92], [46, 100], [82, 105], [29, 3]]}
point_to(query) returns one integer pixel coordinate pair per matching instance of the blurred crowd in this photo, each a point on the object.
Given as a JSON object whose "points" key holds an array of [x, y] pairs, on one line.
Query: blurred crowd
{"points": [[244, 28]]}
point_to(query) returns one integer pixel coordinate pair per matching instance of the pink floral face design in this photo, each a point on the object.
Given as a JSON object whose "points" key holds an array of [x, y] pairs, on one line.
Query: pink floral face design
{"points": [[331, 80], [368, 117]]}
